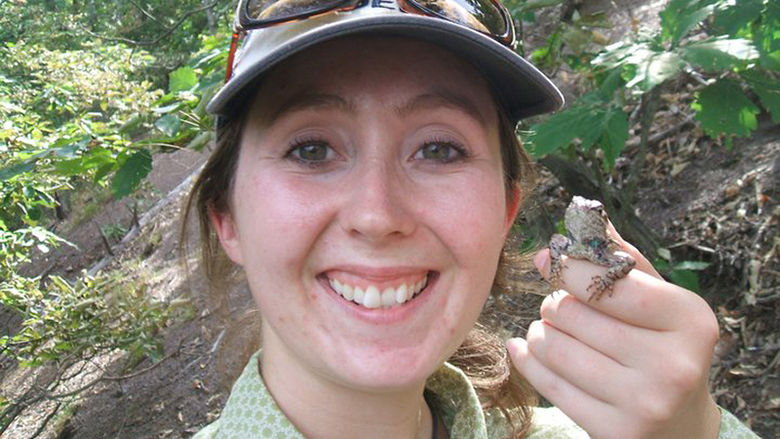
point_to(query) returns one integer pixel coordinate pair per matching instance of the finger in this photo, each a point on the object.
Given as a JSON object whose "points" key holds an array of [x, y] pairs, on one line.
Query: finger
{"points": [[590, 370], [570, 399], [641, 261], [624, 343], [639, 298]]}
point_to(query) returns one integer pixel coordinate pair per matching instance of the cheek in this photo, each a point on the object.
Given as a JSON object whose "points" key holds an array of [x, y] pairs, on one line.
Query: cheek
{"points": [[472, 218]]}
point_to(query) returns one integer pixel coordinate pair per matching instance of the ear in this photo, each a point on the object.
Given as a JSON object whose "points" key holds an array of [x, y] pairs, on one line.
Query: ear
{"points": [[513, 200], [227, 232]]}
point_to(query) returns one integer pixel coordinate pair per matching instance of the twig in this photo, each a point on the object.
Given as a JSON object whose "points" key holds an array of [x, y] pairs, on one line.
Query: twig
{"points": [[659, 136], [139, 372], [104, 239], [144, 11]]}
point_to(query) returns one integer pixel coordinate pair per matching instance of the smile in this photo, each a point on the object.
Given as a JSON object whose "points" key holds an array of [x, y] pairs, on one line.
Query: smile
{"points": [[383, 295]]}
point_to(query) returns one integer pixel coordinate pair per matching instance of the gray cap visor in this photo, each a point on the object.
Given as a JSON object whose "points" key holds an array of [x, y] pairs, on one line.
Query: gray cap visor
{"points": [[521, 88]]}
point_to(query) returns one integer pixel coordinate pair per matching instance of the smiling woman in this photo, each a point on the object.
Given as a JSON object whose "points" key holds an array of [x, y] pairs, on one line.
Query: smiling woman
{"points": [[365, 180]]}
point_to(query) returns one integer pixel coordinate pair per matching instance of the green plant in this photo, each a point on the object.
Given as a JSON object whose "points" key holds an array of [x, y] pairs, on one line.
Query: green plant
{"points": [[727, 48], [731, 55], [683, 273]]}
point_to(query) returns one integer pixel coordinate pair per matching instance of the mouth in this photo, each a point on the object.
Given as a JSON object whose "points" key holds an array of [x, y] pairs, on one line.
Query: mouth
{"points": [[374, 295]]}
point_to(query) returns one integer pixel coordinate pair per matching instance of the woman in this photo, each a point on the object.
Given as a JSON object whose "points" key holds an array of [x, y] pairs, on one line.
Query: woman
{"points": [[365, 180]]}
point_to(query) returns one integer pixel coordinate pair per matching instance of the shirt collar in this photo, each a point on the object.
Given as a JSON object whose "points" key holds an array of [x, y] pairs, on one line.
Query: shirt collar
{"points": [[251, 410]]}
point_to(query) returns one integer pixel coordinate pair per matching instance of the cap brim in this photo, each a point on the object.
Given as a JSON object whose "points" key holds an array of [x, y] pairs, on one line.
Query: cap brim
{"points": [[522, 89]]}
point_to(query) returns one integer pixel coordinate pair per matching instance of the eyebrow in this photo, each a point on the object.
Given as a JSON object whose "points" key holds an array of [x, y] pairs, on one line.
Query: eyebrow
{"points": [[427, 101], [442, 98]]}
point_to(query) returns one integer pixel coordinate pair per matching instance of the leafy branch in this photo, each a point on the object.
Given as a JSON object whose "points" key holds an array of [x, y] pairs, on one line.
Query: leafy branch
{"points": [[159, 38]]}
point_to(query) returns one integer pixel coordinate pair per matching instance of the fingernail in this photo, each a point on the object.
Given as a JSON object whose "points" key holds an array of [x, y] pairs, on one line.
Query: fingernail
{"points": [[542, 261]]}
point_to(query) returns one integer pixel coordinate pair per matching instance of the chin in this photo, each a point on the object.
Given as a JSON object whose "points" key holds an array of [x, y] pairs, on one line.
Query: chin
{"points": [[387, 368]]}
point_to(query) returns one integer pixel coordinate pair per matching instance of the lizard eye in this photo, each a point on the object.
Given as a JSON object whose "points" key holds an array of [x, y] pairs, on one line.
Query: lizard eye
{"points": [[594, 243]]}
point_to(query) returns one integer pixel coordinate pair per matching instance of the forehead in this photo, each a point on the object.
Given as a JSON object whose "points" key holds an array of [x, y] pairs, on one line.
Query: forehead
{"points": [[392, 69]]}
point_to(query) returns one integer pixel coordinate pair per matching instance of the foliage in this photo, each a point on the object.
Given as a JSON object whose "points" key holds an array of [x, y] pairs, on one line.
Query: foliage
{"points": [[72, 131], [66, 320], [83, 106], [682, 273], [734, 51]]}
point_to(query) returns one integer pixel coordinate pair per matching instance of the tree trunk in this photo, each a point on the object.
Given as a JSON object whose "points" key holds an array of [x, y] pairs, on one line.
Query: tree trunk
{"points": [[212, 19]]}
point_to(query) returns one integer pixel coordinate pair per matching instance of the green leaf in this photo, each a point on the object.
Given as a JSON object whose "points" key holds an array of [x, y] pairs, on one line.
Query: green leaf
{"points": [[168, 108], [103, 171], [579, 121], [662, 265], [131, 172], [680, 16], [614, 135], [132, 123], [767, 89], [69, 168], [731, 17], [168, 124], [200, 141], [766, 36], [686, 279], [12, 171], [655, 69], [722, 108], [182, 79], [720, 53]]}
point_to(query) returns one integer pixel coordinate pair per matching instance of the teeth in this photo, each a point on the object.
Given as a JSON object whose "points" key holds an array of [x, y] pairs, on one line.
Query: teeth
{"points": [[347, 292], [388, 297], [372, 298], [358, 296], [400, 294]]}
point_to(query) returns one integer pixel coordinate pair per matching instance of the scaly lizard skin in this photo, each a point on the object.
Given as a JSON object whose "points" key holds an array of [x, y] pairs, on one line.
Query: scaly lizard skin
{"points": [[588, 238]]}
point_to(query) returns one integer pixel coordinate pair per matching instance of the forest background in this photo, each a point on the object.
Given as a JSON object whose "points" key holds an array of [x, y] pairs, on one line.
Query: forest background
{"points": [[671, 121]]}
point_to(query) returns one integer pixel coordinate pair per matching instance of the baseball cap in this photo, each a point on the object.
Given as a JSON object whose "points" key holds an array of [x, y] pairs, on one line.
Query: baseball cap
{"points": [[519, 86]]}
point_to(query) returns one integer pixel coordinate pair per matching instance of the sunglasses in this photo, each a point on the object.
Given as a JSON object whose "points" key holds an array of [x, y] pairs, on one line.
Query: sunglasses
{"points": [[485, 16]]}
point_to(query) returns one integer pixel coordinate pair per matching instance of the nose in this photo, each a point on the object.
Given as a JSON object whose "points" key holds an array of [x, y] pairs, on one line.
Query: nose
{"points": [[379, 205]]}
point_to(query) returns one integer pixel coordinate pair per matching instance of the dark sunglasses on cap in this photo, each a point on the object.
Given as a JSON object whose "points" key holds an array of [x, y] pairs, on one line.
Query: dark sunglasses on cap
{"points": [[486, 16]]}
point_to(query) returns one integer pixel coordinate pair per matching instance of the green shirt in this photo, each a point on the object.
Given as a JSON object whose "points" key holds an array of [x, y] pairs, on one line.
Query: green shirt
{"points": [[251, 412]]}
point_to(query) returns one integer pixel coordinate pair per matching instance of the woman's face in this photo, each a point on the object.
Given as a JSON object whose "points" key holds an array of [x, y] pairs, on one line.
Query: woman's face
{"points": [[369, 209]]}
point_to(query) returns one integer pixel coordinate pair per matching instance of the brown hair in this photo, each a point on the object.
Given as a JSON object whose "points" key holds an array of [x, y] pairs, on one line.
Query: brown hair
{"points": [[481, 356]]}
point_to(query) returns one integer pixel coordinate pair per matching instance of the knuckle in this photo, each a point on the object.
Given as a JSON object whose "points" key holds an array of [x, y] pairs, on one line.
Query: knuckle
{"points": [[686, 375], [655, 409]]}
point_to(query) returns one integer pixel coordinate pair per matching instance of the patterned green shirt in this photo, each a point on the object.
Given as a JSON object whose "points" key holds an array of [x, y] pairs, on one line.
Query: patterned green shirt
{"points": [[251, 412]]}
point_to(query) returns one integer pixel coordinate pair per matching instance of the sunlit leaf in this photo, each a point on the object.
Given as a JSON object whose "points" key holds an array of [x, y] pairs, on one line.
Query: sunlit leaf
{"points": [[657, 68], [16, 169], [732, 16], [692, 265], [723, 108], [680, 16], [562, 128], [719, 53], [131, 172], [182, 79], [168, 124]]}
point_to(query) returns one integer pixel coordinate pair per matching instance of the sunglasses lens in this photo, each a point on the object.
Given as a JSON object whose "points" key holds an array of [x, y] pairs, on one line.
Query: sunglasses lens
{"points": [[289, 9], [481, 15]]}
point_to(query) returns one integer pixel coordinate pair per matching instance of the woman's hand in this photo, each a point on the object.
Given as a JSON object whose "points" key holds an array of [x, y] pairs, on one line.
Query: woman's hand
{"points": [[634, 365]]}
